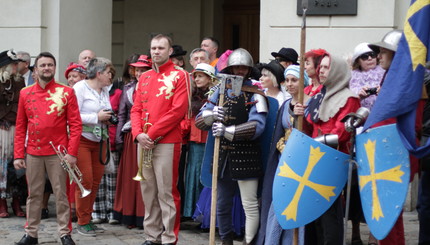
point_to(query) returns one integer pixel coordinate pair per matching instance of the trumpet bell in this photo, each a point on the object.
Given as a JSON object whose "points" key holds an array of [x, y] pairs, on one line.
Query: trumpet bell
{"points": [[138, 177], [85, 192]]}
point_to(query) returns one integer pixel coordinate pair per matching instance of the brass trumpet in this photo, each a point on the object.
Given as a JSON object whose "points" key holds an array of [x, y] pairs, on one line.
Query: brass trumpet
{"points": [[74, 174], [145, 156]]}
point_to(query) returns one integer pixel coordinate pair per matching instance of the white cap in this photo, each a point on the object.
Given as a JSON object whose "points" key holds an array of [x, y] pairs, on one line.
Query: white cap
{"points": [[205, 68], [360, 49]]}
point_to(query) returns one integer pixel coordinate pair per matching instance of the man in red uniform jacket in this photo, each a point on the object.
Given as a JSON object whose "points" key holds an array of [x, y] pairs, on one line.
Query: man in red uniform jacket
{"points": [[45, 110], [161, 100]]}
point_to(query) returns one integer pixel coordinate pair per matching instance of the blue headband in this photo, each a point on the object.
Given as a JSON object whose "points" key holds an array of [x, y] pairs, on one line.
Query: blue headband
{"points": [[295, 71]]}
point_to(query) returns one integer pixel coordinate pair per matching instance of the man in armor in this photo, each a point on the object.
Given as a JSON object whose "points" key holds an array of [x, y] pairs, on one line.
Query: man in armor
{"points": [[239, 122], [386, 50]]}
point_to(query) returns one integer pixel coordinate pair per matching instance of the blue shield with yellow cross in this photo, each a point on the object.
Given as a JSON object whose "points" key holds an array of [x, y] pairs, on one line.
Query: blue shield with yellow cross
{"points": [[383, 172], [309, 178]]}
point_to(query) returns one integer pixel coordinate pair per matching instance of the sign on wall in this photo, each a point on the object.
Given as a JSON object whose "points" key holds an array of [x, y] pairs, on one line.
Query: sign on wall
{"points": [[329, 7]]}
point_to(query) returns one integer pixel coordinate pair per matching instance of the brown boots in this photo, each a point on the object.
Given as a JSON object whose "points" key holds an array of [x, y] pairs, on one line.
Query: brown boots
{"points": [[3, 208], [16, 207]]}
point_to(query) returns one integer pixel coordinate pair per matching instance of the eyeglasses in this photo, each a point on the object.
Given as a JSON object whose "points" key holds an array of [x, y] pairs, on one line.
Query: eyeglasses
{"points": [[367, 55], [280, 59]]}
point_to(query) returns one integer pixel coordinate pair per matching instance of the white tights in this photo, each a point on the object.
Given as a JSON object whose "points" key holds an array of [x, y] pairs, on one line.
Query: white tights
{"points": [[248, 194]]}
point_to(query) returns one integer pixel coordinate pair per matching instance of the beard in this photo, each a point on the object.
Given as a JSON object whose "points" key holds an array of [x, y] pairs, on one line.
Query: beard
{"points": [[46, 78]]}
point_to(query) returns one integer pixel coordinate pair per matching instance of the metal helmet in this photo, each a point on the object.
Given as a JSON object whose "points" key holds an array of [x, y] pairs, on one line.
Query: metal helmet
{"points": [[240, 57], [389, 41]]}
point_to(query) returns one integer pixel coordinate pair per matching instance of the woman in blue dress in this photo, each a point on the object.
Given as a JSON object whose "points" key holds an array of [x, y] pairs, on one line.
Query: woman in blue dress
{"points": [[270, 232]]}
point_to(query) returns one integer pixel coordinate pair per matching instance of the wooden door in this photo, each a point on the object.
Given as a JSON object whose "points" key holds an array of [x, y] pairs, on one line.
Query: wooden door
{"points": [[242, 26]]}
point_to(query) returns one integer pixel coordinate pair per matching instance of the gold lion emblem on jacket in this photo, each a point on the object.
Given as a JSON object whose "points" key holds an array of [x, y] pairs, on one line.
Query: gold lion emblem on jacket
{"points": [[57, 100], [168, 84]]}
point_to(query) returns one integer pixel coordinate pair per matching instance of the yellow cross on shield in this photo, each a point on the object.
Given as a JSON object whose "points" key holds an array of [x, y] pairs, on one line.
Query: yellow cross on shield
{"points": [[383, 171], [309, 178]]}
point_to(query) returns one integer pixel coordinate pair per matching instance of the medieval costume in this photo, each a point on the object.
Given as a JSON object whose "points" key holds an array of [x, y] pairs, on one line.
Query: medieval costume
{"points": [[240, 163], [128, 207], [161, 100], [325, 112], [44, 115], [12, 182]]}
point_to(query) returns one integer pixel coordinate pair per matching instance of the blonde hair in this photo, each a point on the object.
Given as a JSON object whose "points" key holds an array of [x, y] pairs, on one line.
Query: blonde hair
{"points": [[6, 73], [271, 77]]}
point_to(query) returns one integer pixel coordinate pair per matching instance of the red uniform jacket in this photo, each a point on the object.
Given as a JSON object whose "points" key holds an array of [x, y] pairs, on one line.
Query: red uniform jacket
{"points": [[45, 115], [164, 95]]}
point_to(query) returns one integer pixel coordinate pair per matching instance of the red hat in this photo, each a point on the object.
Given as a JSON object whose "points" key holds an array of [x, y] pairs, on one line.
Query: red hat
{"points": [[316, 53], [74, 67], [143, 61]]}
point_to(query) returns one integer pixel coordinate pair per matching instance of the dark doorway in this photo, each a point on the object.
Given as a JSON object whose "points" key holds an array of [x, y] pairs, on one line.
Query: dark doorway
{"points": [[242, 26]]}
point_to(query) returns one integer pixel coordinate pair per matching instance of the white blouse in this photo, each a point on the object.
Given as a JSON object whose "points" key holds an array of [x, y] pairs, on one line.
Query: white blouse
{"points": [[90, 103], [280, 97]]}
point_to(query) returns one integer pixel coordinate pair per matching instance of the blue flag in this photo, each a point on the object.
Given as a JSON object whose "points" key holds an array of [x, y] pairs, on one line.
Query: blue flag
{"points": [[402, 88]]}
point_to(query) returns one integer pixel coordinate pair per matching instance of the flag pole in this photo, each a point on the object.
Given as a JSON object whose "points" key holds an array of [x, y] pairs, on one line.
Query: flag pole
{"points": [[301, 86]]}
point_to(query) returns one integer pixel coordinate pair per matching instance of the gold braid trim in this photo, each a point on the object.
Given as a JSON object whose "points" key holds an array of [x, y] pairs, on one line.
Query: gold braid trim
{"points": [[281, 142]]}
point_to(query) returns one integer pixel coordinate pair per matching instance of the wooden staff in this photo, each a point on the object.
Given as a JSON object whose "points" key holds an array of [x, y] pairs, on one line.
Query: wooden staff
{"points": [[301, 86], [215, 172], [302, 62]]}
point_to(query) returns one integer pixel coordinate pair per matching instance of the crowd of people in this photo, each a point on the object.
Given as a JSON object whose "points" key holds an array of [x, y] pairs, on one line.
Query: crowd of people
{"points": [[131, 150]]}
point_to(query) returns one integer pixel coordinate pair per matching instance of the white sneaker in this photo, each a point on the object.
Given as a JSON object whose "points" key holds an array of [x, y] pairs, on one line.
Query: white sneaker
{"points": [[97, 221], [113, 222]]}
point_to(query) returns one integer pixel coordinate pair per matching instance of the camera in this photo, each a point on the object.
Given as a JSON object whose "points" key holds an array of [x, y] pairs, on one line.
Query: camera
{"points": [[113, 118], [372, 91]]}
